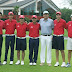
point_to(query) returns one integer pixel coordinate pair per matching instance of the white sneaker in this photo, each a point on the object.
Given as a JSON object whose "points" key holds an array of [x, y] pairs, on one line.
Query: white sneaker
{"points": [[31, 63], [22, 62], [57, 64], [18, 62], [63, 64], [11, 62], [5, 62], [34, 63]]}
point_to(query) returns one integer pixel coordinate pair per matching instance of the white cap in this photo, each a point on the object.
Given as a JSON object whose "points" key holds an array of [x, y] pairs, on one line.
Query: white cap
{"points": [[71, 15], [45, 12]]}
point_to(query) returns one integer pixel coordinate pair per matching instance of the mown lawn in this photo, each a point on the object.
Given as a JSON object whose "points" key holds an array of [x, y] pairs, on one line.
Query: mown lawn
{"points": [[38, 68]]}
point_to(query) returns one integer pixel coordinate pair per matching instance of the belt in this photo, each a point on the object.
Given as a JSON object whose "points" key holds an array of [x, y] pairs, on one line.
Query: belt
{"points": [[10, 34], [58, 35], [21, 37], [46, 35], [34, 37]]}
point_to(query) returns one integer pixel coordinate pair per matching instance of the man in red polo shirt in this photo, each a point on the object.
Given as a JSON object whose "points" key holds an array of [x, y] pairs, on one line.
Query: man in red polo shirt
{"points": [[10, 25], [33, 28], [69, 42], [1, 38], [58, 38], [21, 28]]}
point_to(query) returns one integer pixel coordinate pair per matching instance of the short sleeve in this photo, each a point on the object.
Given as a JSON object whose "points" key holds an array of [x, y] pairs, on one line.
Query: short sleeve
{"points": [[3, 25], [52, 24], [39, 27], [39, 21], [16, 26], [28, 26], [15, 23], [65, 24]]}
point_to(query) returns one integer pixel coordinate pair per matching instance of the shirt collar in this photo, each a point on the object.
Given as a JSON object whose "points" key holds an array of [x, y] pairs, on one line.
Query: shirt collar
{"points": [[9, 20], [33, 23], [22, 24], [59, 20], [46, 20]]}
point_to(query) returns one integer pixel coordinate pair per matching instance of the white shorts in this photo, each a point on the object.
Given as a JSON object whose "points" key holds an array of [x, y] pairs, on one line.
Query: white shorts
{"points": [[69, 44]]}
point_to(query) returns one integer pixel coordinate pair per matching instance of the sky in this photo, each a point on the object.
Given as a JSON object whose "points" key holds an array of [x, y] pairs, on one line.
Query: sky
{"points": [[60, 3]]}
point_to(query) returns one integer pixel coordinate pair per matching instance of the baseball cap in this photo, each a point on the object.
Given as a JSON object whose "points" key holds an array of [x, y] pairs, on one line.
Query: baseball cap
{"points": [[58, 13], [45, 12], [34, 16], [21, 16], [10, 13], [71, 15]]}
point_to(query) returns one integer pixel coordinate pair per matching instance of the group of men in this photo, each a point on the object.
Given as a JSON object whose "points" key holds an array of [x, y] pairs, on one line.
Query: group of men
{"points": [[46, 25]]}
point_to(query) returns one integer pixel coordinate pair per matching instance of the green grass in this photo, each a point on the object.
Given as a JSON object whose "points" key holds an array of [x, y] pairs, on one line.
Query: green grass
{"points": [[38, 68]]}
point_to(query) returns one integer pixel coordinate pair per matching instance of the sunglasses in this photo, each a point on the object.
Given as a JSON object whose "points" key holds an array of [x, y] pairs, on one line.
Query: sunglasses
{"points": [[33, 18], [21, 18]]}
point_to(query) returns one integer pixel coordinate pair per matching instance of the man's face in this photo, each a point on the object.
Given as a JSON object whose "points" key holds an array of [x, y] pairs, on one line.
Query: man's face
{"points": [[34, 20], [10, 17], [45, 16], [21, 20], [71, 18], [58, 16], [0, 16]]}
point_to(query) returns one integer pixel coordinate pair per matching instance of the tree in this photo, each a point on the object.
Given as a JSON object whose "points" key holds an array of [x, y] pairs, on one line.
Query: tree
{"points": [[16, 10], [66, 12]]}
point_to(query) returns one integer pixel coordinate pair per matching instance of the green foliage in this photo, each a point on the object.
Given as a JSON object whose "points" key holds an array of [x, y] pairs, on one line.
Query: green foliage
{"points": [[66, 12], [16, 10], [27, 19], [53, 15]]}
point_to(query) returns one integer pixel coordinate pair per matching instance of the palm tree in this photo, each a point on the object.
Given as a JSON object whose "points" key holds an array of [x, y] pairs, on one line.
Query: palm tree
{"points": [[16, 10]]}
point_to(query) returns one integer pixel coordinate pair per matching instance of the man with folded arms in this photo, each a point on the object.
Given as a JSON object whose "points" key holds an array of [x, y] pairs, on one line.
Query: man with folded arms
{"points": [[1, 37], [33, 28], [47, 26], [21, 28], [10, 26], [58, 38], [69, 42]]}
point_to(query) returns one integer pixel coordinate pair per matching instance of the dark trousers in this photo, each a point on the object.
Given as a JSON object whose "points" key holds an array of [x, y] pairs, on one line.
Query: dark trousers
{"points": [[1, 41], [33, 46], [10, 40]]}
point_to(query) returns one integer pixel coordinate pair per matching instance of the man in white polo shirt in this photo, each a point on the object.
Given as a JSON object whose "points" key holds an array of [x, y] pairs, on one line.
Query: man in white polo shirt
{"points": [[47, 25]]}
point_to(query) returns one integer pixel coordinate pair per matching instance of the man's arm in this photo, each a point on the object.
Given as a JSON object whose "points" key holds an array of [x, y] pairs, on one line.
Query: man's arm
{"points": [[52, 25]]}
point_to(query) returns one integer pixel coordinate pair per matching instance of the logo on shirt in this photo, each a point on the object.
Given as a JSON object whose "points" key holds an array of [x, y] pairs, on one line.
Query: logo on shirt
{"points": [[7, 24], [54, 24], [31, 26], [18, 26], [70, 25]]}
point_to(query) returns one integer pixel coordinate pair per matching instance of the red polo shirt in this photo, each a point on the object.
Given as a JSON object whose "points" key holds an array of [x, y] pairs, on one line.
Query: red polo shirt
{"points": [[34, 29], [69, 27], [21, 29], [1, 26], [59, 27], [10, 26]]}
